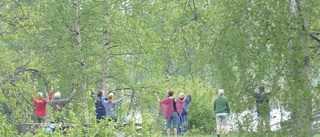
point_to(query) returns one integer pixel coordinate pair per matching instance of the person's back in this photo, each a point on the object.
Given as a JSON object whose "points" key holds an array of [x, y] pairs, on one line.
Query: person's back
{"points": [[40, 105], [221, 105], [111, 107], [262, 100], [58, 103], [263, 108], [183, 118], [221, 110], [100, 108]]}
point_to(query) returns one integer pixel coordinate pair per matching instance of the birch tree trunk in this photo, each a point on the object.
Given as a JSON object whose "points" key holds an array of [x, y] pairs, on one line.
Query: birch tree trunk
{"points": [[301, 73], [82, 60], [105, 80]]}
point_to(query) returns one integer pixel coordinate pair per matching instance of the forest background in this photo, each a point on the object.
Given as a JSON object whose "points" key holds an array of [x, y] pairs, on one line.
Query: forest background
{"points": [[147, 46]]}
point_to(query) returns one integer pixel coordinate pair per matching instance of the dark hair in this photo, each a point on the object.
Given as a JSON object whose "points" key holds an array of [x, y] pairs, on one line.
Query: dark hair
{"points": [[170, 93], [99, 92], [261, 88]]}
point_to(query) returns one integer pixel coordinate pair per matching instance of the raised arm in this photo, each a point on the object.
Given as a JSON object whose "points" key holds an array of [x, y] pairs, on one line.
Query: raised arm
{"points": [[185, 98], [118, 102], [63, 102], [34, 92], [157, 97], [92, 95], [72, 95], [188, 100], [51, 93]]}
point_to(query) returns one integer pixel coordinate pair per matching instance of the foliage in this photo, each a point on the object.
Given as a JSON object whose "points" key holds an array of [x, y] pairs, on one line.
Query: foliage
{"points": [[151, 46]]}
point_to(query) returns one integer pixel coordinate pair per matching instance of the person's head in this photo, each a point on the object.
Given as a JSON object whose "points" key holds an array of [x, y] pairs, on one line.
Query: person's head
{"points": [[261, 88], [40, 95], [110, 96], [181, 95], [221, 92], [100, 92], [170, 93], [57, 95]]}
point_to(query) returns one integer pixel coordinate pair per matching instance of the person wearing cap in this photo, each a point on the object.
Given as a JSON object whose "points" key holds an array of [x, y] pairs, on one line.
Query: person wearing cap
{"points": [[40, 105], [221, 110], [183, 118]]}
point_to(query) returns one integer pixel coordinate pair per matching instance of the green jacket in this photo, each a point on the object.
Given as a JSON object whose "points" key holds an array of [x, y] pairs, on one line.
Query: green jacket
{"points": [[221, 105]]}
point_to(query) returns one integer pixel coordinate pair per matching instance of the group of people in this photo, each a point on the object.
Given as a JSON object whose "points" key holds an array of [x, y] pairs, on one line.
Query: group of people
{"points": [[175, 111], [222, 110], [106, 107], [40, 103]]}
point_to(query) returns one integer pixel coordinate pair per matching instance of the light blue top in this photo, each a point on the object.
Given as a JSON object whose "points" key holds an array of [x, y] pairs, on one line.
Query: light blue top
{"points": [[112, 108]]}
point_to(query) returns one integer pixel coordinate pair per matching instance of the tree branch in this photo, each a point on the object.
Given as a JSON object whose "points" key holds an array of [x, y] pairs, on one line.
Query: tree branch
{"points": [[314, 36]]}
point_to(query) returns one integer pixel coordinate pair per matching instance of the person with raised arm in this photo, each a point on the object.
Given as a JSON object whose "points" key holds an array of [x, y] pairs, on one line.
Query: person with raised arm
{"points": [[57, 103], [183, 119], [100, 104], [40, 104], [172, 109], [112, 106]]}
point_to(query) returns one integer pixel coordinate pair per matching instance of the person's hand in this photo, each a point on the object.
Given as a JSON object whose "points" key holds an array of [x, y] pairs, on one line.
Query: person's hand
{"points": [[156, 96], [103, 92], [74, 91], [92, 91], [51, 89], [122, 91], [114, 89]]}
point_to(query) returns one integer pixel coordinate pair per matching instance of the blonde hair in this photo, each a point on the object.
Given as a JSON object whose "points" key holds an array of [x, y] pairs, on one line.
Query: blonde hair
{"points": [[181, 94]]}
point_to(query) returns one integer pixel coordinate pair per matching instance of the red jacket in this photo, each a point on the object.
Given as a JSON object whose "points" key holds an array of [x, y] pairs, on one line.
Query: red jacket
{"points": [[168, 108], [40, 104]]}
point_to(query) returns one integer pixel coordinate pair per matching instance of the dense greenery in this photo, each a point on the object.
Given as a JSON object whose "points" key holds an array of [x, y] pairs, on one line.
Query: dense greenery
{"points": [[147, 46]]}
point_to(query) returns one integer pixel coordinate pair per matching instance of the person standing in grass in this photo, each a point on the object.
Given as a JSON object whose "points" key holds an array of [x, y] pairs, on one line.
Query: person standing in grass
{"points": [[172, 109], [263, 108], [183, 119], [221, 110]]}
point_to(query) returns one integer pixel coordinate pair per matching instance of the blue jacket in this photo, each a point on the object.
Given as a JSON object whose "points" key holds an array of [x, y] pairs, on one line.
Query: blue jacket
{"points": [[100, 107], [112, 108], [185, 105]]}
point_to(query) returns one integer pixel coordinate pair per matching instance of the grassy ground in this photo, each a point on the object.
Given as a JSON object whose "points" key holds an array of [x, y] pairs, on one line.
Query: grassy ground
{"points": [[214, 135]]}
